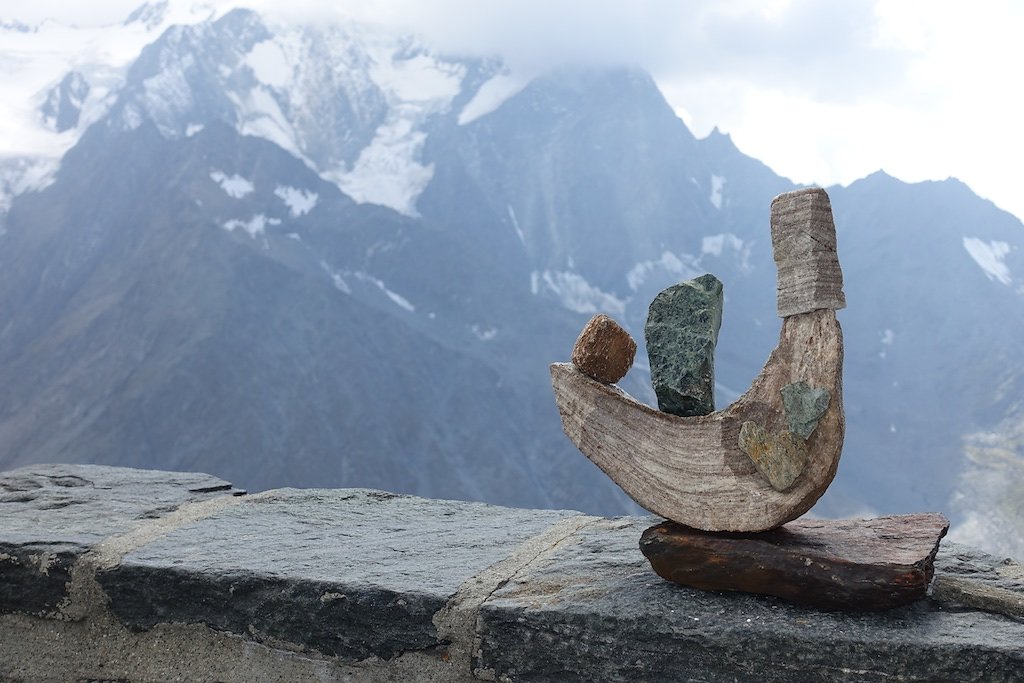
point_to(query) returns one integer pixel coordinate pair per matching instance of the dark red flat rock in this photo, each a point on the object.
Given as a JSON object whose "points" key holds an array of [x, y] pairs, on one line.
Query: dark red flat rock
{"points": [[845, 564]]}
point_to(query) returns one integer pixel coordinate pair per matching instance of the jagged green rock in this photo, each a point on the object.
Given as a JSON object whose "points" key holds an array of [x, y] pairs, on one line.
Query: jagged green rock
{"points": [[804, 407], [681, 333]]}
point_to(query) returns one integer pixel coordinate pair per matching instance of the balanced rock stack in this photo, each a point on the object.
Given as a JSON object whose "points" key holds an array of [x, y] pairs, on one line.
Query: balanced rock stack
{"points": [[754, 467]]}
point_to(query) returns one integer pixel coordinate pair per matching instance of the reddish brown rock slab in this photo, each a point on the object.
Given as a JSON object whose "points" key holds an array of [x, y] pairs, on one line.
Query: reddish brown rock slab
{"points": [[604, 350], [846, 565]]}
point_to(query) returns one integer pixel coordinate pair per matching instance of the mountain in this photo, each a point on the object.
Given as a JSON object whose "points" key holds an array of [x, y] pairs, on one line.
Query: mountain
{"points": [[331, 256]]}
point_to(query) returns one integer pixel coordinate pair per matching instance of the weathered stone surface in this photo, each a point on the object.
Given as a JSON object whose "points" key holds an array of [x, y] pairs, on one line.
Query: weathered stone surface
{"points": [[349, 573], [804, 407], [593, 611], [276, 575], [50, 515], [804, 247], [604, 350], [869, 564], [681, 334], [971, 579], [780, 456]]}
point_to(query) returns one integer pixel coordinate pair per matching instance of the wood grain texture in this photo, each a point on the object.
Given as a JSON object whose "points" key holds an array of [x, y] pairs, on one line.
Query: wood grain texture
{"points": [[691, 469], [872, 564]]}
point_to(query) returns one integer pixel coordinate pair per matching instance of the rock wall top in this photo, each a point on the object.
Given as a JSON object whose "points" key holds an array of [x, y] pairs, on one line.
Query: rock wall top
{"points": [[113, 573]]}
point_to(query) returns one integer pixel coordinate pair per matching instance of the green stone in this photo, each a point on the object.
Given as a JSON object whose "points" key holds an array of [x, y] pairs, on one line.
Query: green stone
{"points": [[804, 407], [779, 456], [681, 333]]}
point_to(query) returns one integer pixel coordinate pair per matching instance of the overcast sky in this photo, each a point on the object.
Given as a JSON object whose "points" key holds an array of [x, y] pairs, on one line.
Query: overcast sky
{"points": [[821, 91]]}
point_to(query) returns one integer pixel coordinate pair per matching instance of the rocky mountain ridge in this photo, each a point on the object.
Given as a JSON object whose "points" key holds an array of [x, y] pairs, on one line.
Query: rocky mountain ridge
{"points": [[295, 255]]}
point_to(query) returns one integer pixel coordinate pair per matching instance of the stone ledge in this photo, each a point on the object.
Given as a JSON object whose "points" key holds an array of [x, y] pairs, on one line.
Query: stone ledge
{"points": [[112, 573]]}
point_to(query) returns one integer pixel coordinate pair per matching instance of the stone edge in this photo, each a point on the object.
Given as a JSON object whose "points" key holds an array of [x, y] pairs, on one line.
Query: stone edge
{"points": [[83, 637]]}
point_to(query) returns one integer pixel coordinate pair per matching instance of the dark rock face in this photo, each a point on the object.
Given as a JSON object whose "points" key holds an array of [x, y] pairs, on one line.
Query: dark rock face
{"points": [[604, 350], [681, 333], [53, 514], [63, 105]]}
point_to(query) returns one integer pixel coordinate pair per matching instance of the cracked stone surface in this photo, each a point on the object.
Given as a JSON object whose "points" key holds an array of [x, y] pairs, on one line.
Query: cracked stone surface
{"points": [[50, 515], [363, 585], [971, 579], [350, 573], [594, 611]]}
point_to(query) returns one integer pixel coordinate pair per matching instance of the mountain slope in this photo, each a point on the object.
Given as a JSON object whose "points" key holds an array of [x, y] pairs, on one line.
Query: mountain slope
{"points": [[298, 255]]}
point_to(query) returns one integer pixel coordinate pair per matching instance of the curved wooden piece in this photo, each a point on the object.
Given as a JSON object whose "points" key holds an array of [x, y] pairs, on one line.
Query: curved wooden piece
{"points": [[691, 470]]}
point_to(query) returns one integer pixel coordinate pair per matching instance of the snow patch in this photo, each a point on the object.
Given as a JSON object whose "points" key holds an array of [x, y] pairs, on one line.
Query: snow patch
{"points": [[234, 186], [887, 337], [989, 256], [576, 293], [418, 79], [491, 95], [269, 63], [335, 276], [36, 61], [388, 171], [257, 225], [260, 115], [167, 96], [299, 202], [398, 299], [714, 244], [515, 224], [484, 334], [684, 266], [717, 185], [131, 117], [24, 175]]}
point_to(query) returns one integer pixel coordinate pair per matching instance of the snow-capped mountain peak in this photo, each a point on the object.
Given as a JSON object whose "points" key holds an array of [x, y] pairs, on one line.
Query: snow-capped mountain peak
{"points": [[59, 80], [354, 102]]}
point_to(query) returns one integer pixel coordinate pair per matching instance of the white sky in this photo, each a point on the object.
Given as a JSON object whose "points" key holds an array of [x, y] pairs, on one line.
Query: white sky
{"points": [[821, 91]]}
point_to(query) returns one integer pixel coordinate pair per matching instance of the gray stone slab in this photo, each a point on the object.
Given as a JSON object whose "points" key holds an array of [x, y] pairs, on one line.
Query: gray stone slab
{"points": [[51, 514], [595, 611], [968, 578], [349, 573]]}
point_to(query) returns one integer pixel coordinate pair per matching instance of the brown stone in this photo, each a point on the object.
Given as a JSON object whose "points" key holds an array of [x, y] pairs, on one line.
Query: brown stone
{"points": [[846, 564], [604, 350]]}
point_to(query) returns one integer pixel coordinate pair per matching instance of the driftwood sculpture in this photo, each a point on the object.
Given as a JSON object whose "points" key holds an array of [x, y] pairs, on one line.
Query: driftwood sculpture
{"points": [[761, 462], [764, 460]]}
